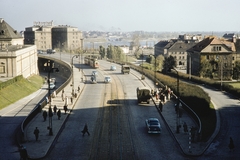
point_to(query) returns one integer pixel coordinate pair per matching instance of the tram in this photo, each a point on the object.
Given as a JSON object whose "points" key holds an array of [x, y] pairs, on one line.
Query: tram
{"points": [[92, 61]]}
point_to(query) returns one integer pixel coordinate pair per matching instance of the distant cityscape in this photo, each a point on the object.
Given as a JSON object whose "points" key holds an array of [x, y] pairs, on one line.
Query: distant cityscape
{"points": [[188, 49]]}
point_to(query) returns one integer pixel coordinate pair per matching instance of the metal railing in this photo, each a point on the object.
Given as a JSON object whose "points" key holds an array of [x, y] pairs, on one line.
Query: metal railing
{"points": [[66, 73]]}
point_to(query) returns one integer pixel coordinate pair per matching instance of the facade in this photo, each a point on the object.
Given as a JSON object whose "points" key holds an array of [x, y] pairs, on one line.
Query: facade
{"points": [[15, 58], [177, 48], [217, 52], [179, 51], [66, 37], [47, 36], [39, 35]]}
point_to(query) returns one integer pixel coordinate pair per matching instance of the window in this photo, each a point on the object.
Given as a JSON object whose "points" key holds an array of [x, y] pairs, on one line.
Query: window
{"points": [[216, 48], [2, 69]]}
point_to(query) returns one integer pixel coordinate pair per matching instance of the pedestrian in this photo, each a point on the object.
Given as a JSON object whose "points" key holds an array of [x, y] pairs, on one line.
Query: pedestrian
{"points": [[59, 114], [193, 129], [44, 115], [78, 88], [66, 101], [185, 128], [50, 99], [63, 96], [231, 145], [55, 109], [85, 130], [169, 94], [152, 92], [157, 92], [92, 78], [47, 100], [162, 97], [65, 108], [36, 133], [71, 100], [23, 152], [160, 106]]}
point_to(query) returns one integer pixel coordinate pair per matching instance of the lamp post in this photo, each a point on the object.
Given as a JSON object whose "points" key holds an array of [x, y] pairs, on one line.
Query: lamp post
{"points": [[50, 114], [73, 75], [155, 69], [142, 67], [178, 101]]}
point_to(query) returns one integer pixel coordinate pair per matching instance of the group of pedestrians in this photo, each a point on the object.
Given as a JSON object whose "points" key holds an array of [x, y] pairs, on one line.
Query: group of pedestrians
{"points": [[162, 95], [55, 110]]}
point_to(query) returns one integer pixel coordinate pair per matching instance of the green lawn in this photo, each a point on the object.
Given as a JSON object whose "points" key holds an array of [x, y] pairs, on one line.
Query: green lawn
{"points": [[235, 84], [20, 89]]}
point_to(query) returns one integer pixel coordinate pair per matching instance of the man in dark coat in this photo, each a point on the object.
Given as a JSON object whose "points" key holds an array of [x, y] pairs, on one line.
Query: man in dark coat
{"points": [[231, 144], [36, 133], [44, 115], [55, 109], [160, 106], [59, 114], [85, 129]]}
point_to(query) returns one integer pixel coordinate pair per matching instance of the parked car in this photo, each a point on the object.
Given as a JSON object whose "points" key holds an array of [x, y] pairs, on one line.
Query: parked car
{"points": [[52, 86], [40, 52], [153, 125], [107, 79], [113, 68], [50, 51], [94, 73], [53, 80]]}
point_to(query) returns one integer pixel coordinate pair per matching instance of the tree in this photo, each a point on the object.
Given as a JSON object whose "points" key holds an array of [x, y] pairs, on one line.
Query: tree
{"points": [[206, 68], [102, 51], [115, 53], [236, 70], [169, 63]]}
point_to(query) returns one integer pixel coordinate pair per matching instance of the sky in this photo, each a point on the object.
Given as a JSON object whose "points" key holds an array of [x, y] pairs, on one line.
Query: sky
{"points": [[126, 15]]}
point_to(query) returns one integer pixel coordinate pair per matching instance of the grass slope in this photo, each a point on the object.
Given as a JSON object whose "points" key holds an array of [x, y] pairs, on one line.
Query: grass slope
{"points": [[19, 90]]}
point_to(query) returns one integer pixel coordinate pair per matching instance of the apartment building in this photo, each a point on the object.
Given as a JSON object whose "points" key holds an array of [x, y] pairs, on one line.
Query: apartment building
{"points": [[45, 35], [217, 52], [40, 34], [66, 37]]}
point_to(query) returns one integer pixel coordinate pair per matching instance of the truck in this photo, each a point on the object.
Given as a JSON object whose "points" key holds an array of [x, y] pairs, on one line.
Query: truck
{"points": [[125, 69], [143, 94]]}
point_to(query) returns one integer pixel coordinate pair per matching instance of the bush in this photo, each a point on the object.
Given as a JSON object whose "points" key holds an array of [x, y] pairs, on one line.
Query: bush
{"points": [[10, 81]]}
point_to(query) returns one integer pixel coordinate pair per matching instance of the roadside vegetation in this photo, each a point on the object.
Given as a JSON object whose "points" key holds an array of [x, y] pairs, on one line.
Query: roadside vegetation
{"points": [[18, 88]]}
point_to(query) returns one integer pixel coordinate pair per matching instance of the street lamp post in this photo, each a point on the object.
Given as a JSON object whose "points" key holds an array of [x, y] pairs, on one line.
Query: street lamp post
{"points": [[73, 75], [142, 67], [155, 69], [50, 114], [178, 102]]}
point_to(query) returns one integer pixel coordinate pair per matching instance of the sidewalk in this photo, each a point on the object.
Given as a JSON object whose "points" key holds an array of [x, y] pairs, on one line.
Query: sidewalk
{"points": [[182, 138], [39, 149]]}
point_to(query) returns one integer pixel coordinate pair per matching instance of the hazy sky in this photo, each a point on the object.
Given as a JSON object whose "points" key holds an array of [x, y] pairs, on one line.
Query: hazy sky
{"points": [[126, 15]]}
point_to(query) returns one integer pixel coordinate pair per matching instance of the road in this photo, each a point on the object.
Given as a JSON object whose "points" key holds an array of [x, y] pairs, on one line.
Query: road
{"points": [[229, 112], [116, 122]]}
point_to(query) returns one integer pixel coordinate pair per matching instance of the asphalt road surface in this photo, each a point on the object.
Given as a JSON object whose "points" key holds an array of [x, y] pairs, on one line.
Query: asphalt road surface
{"points": [[116, 122]]}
